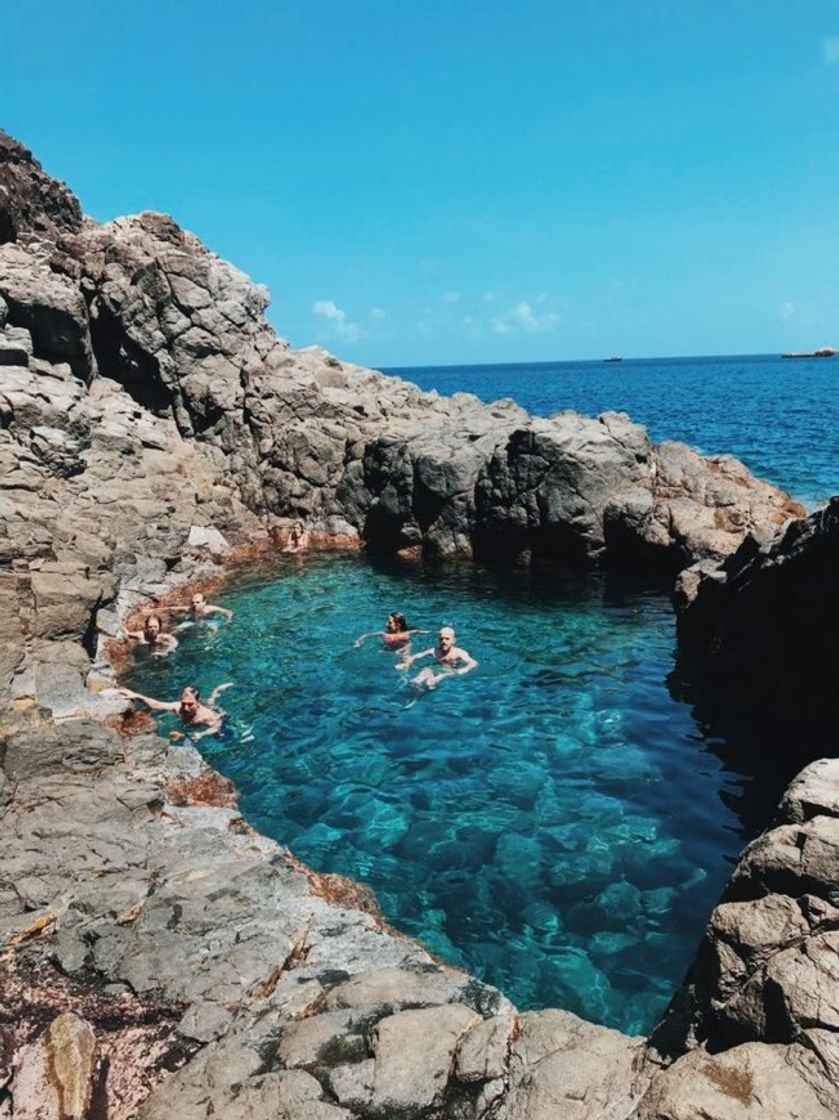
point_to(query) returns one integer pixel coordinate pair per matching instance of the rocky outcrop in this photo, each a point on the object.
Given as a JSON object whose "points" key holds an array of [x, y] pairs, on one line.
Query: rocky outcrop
{"points": [[259, 997], [767, 968], [30, 201], [158, 957], [140, 304], [758, 635]]}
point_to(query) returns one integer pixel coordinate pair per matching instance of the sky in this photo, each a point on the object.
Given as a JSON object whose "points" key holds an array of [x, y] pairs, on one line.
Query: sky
{"points": [[457, 182]]}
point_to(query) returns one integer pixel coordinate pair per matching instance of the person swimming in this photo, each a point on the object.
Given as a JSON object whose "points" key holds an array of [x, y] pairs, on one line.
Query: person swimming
{"points": [[198, 608], [154, 636], [298, 538], [188, 708], [396, 634], [448, 656]]}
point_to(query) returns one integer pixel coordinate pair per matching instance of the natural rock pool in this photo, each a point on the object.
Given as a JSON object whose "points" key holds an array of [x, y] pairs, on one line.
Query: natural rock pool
{"points": [[553, 821]]}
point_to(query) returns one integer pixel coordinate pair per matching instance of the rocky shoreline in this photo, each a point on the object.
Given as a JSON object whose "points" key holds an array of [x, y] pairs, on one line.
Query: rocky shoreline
{"points": [[160, 958]]}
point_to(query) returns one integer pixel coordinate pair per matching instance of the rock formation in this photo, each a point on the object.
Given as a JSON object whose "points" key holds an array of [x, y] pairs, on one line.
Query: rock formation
{"points": [[758, 633], [159, 958]]}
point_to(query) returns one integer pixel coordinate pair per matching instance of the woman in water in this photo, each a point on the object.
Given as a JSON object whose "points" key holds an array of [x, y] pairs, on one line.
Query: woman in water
{"points": [[396, 634], [298, 538]]}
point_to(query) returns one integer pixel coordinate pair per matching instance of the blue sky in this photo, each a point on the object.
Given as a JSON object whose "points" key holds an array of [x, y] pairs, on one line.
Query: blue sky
{"points": [[460, 181]]}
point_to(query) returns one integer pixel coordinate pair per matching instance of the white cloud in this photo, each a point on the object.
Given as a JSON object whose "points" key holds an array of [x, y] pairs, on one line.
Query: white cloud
{"points": [[522, 317], [338, 319], [451, 297], [830, 49], [787, 310], [378, 313]]}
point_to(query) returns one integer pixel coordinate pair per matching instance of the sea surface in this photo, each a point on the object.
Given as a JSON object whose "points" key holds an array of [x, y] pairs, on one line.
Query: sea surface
{"points": [[555, 821]]}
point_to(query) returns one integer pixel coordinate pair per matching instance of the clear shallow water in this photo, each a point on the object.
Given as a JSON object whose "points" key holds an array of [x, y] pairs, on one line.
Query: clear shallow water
{"points": [[780, 417], [552, 821]]}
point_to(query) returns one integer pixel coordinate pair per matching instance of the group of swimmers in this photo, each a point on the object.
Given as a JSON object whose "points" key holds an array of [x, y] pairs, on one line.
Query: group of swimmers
{"points": [[449, 658], [189, 707]]}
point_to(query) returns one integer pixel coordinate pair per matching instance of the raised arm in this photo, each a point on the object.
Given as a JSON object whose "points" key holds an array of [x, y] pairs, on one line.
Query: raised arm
{"points": [[214, 695], [135, 635], [150, 702], [466, 663], [213, 609], [360, 641], [406, 664]]}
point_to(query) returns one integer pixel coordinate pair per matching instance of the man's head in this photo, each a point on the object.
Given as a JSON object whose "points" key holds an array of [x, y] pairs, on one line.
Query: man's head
{"points": [[198, 601], [445, 639], [190, 700], [152, 627]]}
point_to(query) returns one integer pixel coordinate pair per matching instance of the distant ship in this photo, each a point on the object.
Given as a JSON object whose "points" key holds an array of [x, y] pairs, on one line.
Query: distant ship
{"points": [[824, 352], [613, 359]]}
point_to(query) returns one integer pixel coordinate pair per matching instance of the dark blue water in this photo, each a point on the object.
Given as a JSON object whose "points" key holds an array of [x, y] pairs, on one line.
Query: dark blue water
{"points": [[554, 821], [781, 417]]}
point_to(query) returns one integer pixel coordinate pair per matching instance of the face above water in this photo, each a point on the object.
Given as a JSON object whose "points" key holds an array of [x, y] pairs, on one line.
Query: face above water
{"points": [[188, 707], [152, 629], [198, 603], [445, 640]]}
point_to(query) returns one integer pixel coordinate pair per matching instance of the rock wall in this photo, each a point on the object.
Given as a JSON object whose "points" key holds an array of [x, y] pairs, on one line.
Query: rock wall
{"points": [[758, 634], [159, 958]]}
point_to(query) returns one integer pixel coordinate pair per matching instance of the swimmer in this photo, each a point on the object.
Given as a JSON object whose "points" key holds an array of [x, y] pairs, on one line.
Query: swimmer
{"points": [[298, 538], [198, 608], [189, 708], [396, 634], [152, 635], [446, 654]]}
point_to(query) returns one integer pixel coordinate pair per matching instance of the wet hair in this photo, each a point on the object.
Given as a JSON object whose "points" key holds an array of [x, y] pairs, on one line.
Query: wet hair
{"points": [[153, 618], [193, 691], [399, 620]]}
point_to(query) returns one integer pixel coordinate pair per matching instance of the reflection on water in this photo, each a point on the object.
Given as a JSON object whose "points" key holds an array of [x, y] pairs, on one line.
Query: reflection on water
{"points": [[550, 821]]}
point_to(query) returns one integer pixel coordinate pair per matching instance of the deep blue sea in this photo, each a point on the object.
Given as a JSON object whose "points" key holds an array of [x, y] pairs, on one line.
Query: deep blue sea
{"points": [[555, 821]]}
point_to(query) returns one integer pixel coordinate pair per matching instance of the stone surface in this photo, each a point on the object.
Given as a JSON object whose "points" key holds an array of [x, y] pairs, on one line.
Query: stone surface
{"points": [[560, 1065], [767, 968], [750, 1082], [757, 634]]}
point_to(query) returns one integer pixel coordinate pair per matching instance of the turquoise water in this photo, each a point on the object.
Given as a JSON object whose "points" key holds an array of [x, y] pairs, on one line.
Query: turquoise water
{"points": [[551, 821], [779, 416]]}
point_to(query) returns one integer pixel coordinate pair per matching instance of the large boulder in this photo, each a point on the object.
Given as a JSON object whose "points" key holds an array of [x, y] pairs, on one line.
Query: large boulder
{"points": [[766, 970]]}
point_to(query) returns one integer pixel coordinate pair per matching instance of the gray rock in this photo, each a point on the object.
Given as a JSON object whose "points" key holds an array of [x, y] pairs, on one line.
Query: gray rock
{"points": [[414, 1052], [747, 1082], [560, 1065]]}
